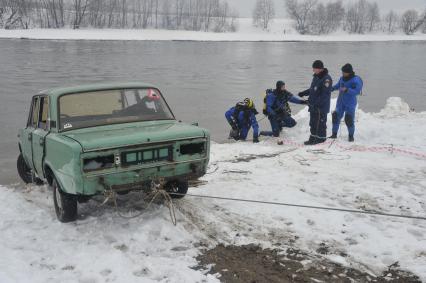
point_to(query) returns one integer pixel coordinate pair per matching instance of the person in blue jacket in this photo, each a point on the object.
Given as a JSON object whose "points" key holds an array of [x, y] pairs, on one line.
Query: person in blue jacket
{"points": [[319, 103], [278, 110], [242, 117], [349, 86]]}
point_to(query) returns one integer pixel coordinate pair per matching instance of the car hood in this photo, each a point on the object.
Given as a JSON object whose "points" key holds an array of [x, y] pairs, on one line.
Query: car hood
{"points": [[114, 136]]}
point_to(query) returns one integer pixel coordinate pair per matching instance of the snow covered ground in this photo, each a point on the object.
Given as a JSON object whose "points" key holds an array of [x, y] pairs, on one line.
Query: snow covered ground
{"points": [[103, 247], [280, 30]]}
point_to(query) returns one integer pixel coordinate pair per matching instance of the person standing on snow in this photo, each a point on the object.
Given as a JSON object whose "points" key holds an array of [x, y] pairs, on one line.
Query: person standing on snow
{"points": [[319, 103], [242, 117], [277, 109], [349, 86]]}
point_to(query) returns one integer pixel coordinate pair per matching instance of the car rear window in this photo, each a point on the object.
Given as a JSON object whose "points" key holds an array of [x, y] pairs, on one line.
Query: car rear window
{"points": [[105, 107]]}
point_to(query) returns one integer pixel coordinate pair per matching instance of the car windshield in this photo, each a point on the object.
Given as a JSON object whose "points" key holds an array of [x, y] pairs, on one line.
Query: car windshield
{"points": [[89, 109]]}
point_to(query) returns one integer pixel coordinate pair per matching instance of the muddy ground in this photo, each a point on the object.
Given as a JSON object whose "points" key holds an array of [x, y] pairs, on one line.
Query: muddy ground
{"points": [[252, 264]]}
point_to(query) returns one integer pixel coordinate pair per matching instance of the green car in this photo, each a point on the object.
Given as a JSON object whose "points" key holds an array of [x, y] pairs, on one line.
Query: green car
{"points": [[89, 140]]}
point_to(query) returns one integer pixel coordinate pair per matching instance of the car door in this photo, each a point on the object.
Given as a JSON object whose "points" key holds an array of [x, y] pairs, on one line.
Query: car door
{"points": [[39, 135], [27, 133]]}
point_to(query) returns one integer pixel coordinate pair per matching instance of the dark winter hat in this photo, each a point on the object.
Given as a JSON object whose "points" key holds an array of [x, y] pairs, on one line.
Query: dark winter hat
{"points": [[347, 69], [280, 84], [318, 64]]}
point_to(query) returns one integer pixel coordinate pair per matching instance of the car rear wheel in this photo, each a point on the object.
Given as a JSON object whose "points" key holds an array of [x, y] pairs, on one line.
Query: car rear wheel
{"points": [[177, 189], [65, 204], [23, 170]]}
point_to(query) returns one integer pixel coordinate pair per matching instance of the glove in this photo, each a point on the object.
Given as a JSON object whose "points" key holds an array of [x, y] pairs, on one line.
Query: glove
{"points": [[255, 140], [304, 102]]}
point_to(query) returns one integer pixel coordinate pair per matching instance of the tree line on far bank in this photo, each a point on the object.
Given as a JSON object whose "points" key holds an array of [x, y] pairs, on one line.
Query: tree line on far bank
{"points": [[362, 16], [309, 16], [196, 15]]}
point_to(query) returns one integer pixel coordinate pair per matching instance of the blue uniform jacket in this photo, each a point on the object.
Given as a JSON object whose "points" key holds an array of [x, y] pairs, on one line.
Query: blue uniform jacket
{"points": [[353, 87], [245, 122], [319, 92], [277, 102]]}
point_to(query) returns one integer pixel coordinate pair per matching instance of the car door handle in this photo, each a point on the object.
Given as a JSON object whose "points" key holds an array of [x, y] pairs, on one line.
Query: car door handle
{"points": [[41, 142]]}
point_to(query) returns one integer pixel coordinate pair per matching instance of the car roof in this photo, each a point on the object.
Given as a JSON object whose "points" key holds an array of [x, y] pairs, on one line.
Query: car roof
{"points": [[56, 92]]}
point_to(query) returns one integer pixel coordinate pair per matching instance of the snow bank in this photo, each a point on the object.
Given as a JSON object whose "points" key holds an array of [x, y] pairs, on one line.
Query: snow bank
{"points": [[104, 247], [395, 107], [280, 30], [342, 174], [99, 247]]}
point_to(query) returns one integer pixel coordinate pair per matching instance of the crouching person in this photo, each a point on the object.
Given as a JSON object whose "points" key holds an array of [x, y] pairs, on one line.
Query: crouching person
{"points": [[241, 118], [278, 110], [349, 86]]}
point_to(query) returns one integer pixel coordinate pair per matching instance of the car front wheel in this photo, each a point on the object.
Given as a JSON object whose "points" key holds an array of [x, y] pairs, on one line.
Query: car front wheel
{"points": [[65, 204]]}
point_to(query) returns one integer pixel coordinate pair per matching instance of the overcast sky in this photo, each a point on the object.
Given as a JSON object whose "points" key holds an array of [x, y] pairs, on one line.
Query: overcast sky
{"points": [[245, 7]]}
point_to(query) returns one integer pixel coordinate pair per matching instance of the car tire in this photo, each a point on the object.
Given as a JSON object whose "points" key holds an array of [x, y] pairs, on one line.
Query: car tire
{"points": [[23, 170], [177, 189], [65, 204]]}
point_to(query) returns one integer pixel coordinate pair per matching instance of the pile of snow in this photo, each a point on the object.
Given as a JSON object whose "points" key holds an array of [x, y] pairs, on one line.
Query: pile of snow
{"points": [[103, 247], [279, 30], [395, 107]]}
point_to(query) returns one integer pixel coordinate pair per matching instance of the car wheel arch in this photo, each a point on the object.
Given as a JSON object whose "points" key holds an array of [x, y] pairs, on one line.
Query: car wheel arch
{"points": [[49, 175]]}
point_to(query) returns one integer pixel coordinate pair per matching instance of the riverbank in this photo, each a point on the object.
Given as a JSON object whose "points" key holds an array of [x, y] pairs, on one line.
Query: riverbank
{"points": [[383, 171], [280, 31]]}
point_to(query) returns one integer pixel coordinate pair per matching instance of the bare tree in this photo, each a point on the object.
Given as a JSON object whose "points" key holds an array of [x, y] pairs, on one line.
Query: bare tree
{"points": [[80, 8], [263, 12], [222, 17], [15, 14], [335, 14], [233, 25], [166, 21], [411, 22], [123, 12], [391, 22], [207, 15], [300, 12], [424, 27], [373, 16], [10, 10], [96, 13], [326, 18], [2, 12], [356, 17], [156, 13]]}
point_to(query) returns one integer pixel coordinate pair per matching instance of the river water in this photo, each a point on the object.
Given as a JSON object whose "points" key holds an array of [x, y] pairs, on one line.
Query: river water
{"points": [[200, 80]]}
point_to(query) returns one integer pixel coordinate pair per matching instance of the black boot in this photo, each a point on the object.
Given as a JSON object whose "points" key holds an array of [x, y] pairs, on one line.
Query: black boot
{"points": [[333, 136], [311, 141], [351, 139]]}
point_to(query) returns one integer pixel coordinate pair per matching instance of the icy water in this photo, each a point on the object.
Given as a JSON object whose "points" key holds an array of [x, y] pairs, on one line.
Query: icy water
{"points": [[199, 80]]}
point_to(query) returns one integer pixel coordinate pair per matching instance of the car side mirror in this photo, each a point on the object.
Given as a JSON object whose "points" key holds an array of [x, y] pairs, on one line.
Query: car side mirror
{"points": [[194, 124]]}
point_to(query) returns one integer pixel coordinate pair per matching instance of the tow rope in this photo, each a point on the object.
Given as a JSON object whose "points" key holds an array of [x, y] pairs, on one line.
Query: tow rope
{"points": [[157, 189]]}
